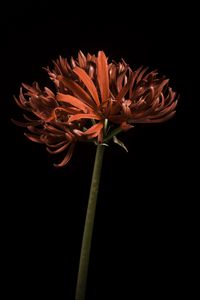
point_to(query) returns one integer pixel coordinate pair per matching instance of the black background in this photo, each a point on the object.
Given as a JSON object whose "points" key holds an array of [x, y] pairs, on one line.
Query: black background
{"points": [[145, 231]]}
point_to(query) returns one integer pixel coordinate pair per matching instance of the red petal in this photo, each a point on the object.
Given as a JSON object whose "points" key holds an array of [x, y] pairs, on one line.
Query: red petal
{"points": [[125, 89], [30, 88], [49, 92], [125, 126], [165, 111], [88, 83], [33, 138], [59, 149], [161, 86], [73, 101], [121, 78], [94, 130], [78, 133], [78, 91], [141, 74], [35, 130], [162, 119], [102, 75], [68, 110], [81, 59], [73, 63], [135, 74], [56, 145], [67, 157], [19, 103], [26, 124], [84, 116]]}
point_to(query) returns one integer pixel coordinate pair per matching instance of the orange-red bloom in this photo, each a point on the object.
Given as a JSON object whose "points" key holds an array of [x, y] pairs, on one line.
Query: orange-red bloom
{"points": [[89, 95]]}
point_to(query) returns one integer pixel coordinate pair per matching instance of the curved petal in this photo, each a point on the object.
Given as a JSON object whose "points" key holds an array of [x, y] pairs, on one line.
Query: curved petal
{"points": [[33, 138], [133, 80], [84, 116], [67, 157], [121, 78], [88, 83], [78, 91], [82, 59], [26, 124], [125, 89], [102, 76], [141, 74], [56, 145], [94, 130], [158, 120], [73, 101], [59, 150]]}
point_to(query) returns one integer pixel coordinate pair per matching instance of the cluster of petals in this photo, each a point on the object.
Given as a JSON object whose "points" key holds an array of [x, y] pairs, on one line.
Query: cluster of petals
{"points": [[89, 98]]}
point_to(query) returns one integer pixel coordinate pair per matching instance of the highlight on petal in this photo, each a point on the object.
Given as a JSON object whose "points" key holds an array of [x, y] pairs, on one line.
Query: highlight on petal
{"points": [[102, 76], [82, 59]]}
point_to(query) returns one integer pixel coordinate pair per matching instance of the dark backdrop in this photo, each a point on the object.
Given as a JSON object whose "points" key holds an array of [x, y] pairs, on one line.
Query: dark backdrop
{"points": [[145, 231]]}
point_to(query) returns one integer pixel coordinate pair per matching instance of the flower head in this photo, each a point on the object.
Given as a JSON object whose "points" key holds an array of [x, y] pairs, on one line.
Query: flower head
{"points": [[92, 100]]}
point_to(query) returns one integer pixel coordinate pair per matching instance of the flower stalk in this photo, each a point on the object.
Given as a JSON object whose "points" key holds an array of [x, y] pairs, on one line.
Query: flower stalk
{"points": [[89, 224]]}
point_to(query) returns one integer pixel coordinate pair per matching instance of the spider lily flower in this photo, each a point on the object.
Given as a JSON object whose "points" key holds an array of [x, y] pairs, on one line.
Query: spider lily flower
{"points": [[90, 95]]}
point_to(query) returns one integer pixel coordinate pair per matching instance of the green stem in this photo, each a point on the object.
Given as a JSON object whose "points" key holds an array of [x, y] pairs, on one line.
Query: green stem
{"points": [[89, 224], [113, 133]]}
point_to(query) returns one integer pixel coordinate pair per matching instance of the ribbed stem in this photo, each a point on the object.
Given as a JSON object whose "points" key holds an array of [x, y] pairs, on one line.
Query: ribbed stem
{"points": [[89, 224]]}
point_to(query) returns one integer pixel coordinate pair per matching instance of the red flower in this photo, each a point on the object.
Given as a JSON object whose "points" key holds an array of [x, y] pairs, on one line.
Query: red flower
{"points": [[90, 94]]}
